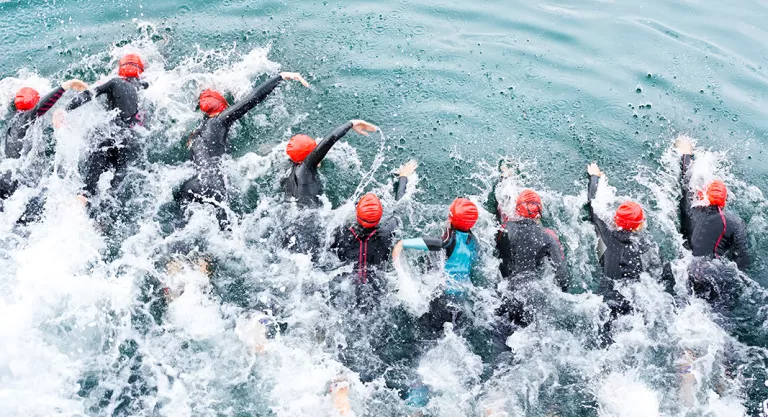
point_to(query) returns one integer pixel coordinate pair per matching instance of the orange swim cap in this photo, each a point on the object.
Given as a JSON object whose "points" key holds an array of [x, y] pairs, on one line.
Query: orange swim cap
{"points": [[629, 216], [299, 147], [369, 211], [717, 193], [26, 99], [212, 102], [529, 204], [463, 214], [131, 66]]}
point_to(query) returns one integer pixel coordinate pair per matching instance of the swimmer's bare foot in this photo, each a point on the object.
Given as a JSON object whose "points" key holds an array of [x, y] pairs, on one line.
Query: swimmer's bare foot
{"points": [[83, 200], [340, 395], [687, 379], [203, 266], [174, 267], [253, 333]]}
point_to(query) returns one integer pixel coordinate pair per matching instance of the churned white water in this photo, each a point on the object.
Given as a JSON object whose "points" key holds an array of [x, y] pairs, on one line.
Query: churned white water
{"points": [[86, 329]]}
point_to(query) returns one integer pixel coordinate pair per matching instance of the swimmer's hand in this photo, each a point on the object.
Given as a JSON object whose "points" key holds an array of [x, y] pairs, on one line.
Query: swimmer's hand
{"points": [[505, 172], [294, 76], [59, 119], [76, 85], [362, 127], [593, 169], [408, 168], [684, 145], [397, 250]]}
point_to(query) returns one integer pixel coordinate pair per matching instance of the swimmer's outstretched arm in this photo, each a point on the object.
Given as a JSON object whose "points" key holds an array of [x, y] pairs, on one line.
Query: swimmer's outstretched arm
{"points": [[420, 243], [239, 109], [685, 147], [594, 179], [740, 248], [557, 256], [402, 182], [390, 223], [316, 156], [51, 98], [86, 95]]}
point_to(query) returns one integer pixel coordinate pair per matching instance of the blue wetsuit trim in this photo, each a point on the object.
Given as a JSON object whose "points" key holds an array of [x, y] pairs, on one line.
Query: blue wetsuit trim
{"points": [[417, 243]]}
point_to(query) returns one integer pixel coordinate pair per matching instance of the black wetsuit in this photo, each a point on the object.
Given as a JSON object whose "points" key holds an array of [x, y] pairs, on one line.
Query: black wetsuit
{"points": [[368, 249], [21, 121], [524, 246], [624, 255], [303, 183], [711, 233], [14, 138], [209, 142], [119, 148]]}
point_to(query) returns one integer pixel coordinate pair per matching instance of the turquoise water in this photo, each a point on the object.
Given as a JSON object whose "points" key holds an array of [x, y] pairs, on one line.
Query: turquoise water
{"points": [[456, 85]]}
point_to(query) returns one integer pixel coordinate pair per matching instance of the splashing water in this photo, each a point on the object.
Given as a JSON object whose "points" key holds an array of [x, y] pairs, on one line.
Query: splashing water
{"points": [[92, 333]]}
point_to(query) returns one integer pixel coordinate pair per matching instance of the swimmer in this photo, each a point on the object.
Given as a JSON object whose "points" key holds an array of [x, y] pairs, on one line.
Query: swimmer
{"points": [[624, 249], [368, 243], [210, 141], [303, 184], [118, 148]]}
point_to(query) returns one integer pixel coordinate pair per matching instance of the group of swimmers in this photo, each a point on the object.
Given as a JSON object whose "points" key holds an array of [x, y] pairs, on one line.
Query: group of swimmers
{"points": [[523, 244]]}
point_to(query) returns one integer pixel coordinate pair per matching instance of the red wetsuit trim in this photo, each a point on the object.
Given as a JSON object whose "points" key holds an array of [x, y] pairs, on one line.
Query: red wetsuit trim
{"points": [[362, 258], [719, 239]]}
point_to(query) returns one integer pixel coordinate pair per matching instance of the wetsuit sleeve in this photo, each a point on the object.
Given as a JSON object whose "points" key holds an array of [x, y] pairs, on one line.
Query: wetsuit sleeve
{"points": [[325, 145], [492, 204], [239, 109], [87, 96], [424, 243], [402, 183], [600, 225], [503, 251], [48, 101], [740, 248], [557, 256], [685, 199], [335, 239], [389, 223]]}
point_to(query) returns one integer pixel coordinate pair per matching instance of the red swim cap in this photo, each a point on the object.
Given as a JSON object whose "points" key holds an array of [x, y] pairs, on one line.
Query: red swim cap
{"points": [[463, 214], [26, 99], [717, 193], [212, 102], [629, 216], [529, 204], [299, 147], [369, 211], [131, 66]]}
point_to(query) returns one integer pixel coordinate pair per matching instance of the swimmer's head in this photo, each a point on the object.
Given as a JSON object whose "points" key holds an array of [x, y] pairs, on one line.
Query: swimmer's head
{"points": [[630, 216], [131, 66], [369, 211], [528, 204], [716, 193], [212, 102], [462, 214], [26, 99], [299, 147]]}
